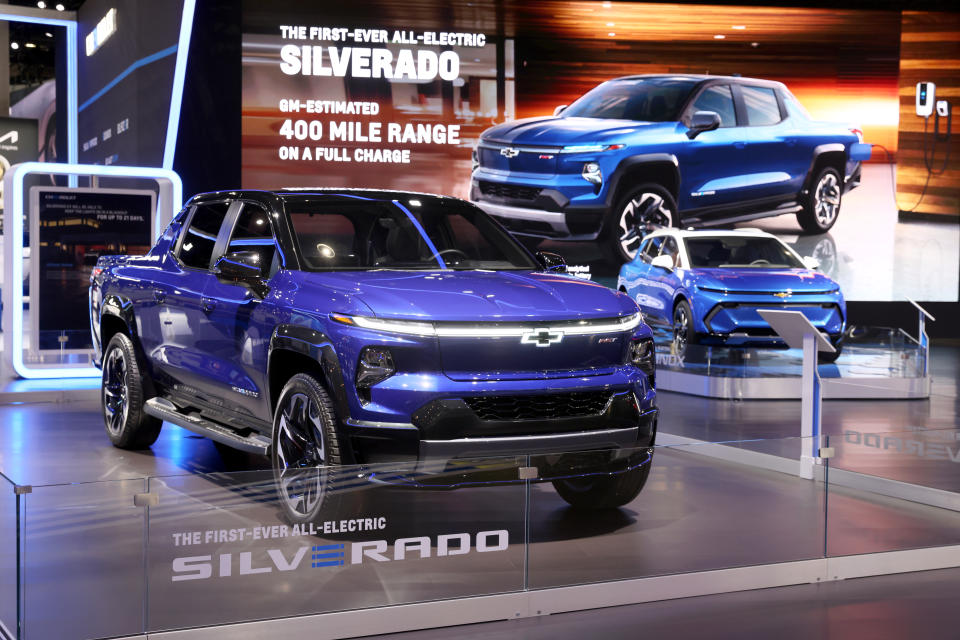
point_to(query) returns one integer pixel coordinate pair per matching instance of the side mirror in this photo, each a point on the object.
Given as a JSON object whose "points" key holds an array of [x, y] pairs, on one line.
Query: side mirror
{"points": [[559, 109], [703, 121], [811, 263], [552, 262], [242, 267], [662, 262]]}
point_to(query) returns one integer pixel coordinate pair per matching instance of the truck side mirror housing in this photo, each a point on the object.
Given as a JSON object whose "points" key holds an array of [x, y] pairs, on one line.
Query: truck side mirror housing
{"points": [[703, 121], [242, 267], [552, 262], [559, 109]]}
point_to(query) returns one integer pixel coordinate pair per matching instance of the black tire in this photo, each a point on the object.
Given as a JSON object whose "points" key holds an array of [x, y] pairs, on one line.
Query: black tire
{"points": [[821, 205], [604, 492], [122, 395], [683, 331], [830, 358], [305, 450], [652, 204]]}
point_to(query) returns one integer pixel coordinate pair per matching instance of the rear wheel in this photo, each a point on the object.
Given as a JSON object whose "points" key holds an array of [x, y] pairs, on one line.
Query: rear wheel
{"points": [[304, 448], [603, 492], [643, 209], [821, 206], [830, 358], [122, 396]]}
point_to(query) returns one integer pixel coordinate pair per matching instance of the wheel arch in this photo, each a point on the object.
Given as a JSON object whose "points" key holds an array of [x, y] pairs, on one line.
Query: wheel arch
{"points": [[832, 155], [116, 316], [658, 168], [297, 349]]}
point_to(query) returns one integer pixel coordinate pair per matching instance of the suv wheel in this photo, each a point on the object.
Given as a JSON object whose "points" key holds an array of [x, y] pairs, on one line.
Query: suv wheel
{"points": [[821, 206], [122, 396], [304, 447], [683, 333], [603, 492], [642, 210]]}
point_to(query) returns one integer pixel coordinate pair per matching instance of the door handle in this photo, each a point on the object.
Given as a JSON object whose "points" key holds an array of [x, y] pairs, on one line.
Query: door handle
{"points": [[208, 304], [159, 295]]}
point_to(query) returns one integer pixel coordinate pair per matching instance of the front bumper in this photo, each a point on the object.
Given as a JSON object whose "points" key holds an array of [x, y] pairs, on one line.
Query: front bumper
{"points": [[548, 214]]}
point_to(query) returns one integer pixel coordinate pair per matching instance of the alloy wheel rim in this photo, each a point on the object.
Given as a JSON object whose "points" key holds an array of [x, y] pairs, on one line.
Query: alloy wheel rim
{"points": [[827, 199], [681, 324], [649, 209], [300, 455], [114, 387]]}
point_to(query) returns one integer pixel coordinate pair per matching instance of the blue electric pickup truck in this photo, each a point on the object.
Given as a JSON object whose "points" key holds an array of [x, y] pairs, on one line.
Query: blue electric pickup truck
{"points": [[330, 327], [649, 151]]}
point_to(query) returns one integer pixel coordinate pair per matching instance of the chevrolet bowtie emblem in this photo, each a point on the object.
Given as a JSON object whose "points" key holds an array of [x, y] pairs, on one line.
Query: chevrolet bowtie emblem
{"points": [[783, 294], [509, 152], [541, 337]]}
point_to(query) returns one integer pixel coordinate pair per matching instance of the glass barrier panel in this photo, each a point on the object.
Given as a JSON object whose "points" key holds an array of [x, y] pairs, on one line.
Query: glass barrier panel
{"points": [[83, 560], [893, 490], [9, 558], [241, 546], [682, 509]]}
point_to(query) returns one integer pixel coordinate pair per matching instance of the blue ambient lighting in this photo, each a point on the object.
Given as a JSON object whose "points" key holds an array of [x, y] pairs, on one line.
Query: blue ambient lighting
{"points": [[179, 74]]}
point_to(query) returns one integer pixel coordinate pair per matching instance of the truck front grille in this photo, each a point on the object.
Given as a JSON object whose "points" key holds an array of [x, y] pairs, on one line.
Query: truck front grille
{"points": [[540, 407]]}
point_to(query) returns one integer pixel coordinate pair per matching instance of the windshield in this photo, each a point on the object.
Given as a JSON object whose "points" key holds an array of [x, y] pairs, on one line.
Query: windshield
{"points": [[738, 251], [405, 234], [646, 100]]}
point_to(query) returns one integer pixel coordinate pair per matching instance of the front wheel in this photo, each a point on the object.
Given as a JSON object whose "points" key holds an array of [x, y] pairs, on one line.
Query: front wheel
{"points": [[642, 210], [821, 206], [683, 332], [829, 358], [122, 396], [603, 492], [304, 447]]}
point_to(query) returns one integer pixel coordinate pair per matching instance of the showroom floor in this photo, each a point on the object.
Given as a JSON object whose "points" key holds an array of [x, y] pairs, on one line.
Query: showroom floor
{"points": [[697, 513]]}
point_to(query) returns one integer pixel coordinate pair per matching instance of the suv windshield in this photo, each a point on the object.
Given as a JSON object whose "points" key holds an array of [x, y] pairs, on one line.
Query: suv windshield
{"points": [[410, 233], [644, 99], [737, 251]]}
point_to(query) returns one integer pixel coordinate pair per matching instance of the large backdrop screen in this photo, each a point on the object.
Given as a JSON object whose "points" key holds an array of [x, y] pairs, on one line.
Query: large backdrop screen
{"points": [[395, 95]]}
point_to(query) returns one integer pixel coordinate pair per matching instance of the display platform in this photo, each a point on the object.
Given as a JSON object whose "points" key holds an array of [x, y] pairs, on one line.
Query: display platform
{"points": [[877, 362]]}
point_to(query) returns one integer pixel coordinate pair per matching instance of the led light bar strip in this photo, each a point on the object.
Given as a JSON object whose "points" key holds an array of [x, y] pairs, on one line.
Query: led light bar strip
{"points": [[488, 330]]}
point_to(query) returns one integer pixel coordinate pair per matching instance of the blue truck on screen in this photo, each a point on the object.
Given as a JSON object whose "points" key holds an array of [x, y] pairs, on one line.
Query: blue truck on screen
{"points": [[642, 152], [332, 327]]}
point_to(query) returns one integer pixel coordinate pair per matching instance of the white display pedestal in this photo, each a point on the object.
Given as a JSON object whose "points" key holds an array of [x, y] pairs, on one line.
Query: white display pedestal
{"points": [[799, 333]]}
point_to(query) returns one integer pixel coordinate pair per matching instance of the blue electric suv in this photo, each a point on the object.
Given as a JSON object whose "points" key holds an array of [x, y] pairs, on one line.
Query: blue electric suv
{"points": [[648, 151], [327, 327], [710, 285]]}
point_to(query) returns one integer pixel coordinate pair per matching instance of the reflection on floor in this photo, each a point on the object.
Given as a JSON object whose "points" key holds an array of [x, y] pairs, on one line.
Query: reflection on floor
{"points": [[918, 605]]}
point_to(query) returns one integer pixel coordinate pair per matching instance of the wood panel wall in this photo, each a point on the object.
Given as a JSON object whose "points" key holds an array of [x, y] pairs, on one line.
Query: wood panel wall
{"points": [[929, 51]]}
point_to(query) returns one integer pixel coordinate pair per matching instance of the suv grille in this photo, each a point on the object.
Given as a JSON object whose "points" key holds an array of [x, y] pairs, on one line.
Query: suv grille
{"points": [[513, 192], [540, 407]]}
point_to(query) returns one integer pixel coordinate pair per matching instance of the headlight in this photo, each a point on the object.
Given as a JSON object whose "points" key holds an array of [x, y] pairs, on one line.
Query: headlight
{"points": [[376, 365], [591, 173], [643, 356]]}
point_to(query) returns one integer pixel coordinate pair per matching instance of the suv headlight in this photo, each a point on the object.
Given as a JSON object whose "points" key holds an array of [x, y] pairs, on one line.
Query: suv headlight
{"points": [[375, 365], [643, 355]]}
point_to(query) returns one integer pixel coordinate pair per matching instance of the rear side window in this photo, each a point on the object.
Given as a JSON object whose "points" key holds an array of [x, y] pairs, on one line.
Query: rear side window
{"points": [[762, 106], [651, 249], [718, 99], [671, 249], [201, 236]]}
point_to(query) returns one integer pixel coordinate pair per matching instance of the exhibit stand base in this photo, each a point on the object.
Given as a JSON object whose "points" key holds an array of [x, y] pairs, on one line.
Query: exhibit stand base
{"points": [[542, 602]]}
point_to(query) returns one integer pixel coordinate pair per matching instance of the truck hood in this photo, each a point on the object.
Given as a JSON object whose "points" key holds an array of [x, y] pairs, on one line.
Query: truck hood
{"points": [[765, 280], [484, 296], [560, 131]]}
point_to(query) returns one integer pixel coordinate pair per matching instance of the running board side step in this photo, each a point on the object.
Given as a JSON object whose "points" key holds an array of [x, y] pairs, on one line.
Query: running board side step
{"points": [[167, 411]]}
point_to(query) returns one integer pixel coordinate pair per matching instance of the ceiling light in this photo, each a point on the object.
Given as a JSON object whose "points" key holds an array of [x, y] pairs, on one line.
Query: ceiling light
{"points": [[610, 24], [606, 5], [59, 7], [14, 45], [48, 34], [754, 44], [30, 45], [739, 27], [41, 4], [719, 36], [611, 34]]}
